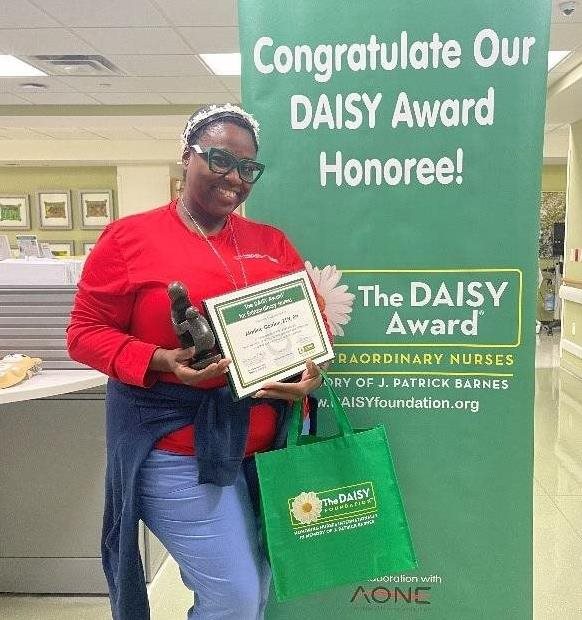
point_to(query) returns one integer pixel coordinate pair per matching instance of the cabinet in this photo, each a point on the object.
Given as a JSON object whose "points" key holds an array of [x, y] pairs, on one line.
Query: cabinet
{"points": [[52, 468], [52, 456]]}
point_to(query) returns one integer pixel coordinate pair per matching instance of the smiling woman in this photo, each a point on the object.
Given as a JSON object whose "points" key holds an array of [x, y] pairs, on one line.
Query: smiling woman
{"points": [[175, 433], [214, 186]]}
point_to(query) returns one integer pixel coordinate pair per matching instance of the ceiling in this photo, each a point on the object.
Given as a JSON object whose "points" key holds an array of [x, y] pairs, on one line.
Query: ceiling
{"points": [[155, 45], [564, 83]]}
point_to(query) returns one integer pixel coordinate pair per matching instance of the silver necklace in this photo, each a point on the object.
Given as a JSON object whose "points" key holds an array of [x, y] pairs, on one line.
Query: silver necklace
{"points": [[215, 251]]}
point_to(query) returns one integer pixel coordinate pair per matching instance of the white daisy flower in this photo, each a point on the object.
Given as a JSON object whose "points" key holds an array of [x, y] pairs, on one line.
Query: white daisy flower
{"points": [[306, 507], [337, 302]]}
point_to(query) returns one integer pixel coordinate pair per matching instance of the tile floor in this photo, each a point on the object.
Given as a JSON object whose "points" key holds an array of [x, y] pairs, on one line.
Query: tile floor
{"points": [[557, 488], [557, 517]]}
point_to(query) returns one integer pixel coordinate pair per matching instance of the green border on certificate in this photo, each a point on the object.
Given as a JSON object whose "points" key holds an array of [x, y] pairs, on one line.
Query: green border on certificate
{"points": [[269, 330]]}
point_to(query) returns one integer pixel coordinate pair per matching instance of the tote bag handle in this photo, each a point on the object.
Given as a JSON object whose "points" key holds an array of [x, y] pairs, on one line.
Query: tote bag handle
{"points": [[341, 417]]}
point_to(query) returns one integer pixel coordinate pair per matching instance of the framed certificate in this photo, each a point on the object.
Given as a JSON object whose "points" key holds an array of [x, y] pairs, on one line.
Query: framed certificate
{"points": [[269, 330]]}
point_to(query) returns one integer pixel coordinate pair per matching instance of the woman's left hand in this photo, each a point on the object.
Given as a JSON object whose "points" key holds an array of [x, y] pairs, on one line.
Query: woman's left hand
{"points": [[310, 380]]}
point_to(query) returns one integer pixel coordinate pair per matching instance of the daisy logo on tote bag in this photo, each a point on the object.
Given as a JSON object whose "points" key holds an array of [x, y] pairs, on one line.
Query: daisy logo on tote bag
{"points": [[334, 510], [306, 508]]}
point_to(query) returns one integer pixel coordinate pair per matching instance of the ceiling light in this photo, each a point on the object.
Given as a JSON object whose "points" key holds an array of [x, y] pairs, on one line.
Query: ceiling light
{"points": [[33, 86], [72, 68], [554, 57], [222, 64], [10, 66]]}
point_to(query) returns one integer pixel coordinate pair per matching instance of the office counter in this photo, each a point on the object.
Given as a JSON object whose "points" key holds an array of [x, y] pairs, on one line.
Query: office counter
{"points": [[52, 456], [52, 383]]}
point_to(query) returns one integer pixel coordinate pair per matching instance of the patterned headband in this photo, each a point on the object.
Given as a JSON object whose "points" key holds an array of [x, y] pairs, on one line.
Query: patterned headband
{"points": [[223, 110]]}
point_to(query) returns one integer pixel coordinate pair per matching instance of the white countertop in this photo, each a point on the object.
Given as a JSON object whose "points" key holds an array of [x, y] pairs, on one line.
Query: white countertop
{"points": [[52, 383], [40, 271]]}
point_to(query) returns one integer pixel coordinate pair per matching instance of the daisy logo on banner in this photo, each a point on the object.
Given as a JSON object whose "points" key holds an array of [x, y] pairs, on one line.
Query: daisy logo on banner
{"points": [[335, 300]]}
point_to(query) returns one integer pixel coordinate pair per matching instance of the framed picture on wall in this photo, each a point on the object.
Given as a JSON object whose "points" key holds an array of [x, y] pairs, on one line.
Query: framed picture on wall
{"points": [[61, 248], [176, 186], [96, 207], [28, 245], [552, 211], [5, 251], [14, 212], [54, 209], [87, 247]]}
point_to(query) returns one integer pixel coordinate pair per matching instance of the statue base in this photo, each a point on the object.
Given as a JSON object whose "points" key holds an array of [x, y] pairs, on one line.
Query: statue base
{"points": [[200, 362]]}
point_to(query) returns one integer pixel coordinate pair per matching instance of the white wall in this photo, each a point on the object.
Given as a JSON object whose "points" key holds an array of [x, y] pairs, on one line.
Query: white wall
{"points": [[142, 187], [91, 152]]}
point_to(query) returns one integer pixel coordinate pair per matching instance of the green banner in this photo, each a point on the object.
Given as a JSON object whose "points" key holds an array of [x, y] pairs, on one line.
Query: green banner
{"points": [[403, 145]]}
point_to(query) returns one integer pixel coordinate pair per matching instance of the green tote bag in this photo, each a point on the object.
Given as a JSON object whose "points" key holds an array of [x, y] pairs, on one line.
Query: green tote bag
{"points": [[331, 507]]}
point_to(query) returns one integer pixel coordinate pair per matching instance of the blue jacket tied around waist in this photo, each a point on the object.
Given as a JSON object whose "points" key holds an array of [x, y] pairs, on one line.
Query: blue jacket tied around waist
{"points": [[136, 419]]}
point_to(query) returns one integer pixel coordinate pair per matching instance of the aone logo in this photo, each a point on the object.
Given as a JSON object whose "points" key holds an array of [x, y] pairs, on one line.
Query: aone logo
{"points": [[382, 595], [332, 505]]}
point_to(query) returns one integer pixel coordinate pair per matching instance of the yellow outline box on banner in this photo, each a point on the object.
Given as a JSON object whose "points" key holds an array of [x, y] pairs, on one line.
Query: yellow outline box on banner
{"points": [[474, 346]]}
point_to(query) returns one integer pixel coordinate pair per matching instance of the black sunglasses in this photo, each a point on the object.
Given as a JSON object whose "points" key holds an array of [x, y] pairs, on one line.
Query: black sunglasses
{"points": [[222, 162]]}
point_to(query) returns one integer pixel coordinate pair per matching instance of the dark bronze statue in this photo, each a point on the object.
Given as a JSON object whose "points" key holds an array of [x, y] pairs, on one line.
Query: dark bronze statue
{"points": [[192, 328]]}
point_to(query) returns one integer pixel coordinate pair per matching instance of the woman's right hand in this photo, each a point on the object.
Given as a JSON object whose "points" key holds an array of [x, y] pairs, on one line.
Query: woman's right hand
{"points": [[176, 361]]}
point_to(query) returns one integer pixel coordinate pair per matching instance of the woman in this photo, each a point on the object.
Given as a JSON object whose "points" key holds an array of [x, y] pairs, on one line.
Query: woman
{"points": [[175, 439]]}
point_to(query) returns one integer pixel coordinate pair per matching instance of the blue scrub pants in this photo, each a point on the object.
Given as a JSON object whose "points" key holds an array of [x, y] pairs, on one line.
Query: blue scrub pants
{"points": [[212, 534]]}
